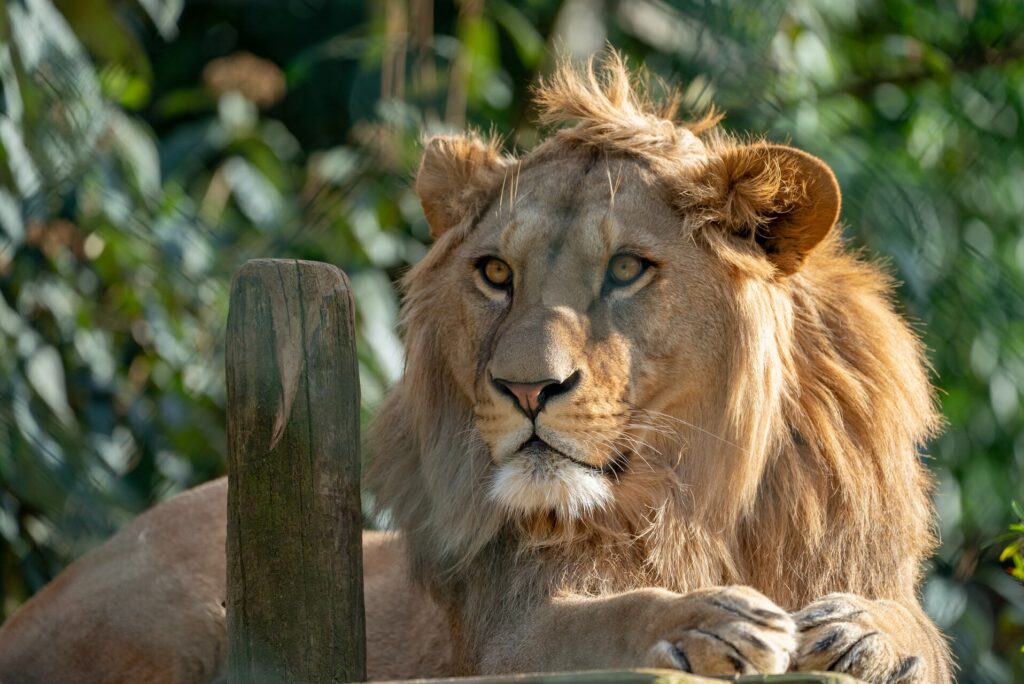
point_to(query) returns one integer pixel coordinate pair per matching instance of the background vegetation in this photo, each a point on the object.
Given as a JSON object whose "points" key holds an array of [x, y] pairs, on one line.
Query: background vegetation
{"points": [[149, 147]]}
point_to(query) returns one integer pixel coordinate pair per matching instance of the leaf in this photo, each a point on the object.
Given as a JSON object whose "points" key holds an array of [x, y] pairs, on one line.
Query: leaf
{"points": [[45, 372], [335, 166], [126, 88], [10, 220], [164, 14], [256, 196], [41, 33], [139, 151], [27, 180], [13, 107], [125, 74], [525, 37]]}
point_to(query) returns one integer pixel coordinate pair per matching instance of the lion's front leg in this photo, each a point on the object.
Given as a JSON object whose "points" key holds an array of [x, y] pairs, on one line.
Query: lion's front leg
{"points": [[722, 631], [881, 642]]}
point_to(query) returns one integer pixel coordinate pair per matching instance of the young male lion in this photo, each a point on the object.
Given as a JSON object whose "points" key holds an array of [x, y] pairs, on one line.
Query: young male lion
{"points": [[653, 414]]}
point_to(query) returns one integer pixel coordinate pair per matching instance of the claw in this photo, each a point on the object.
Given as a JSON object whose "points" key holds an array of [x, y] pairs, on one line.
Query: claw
{"points": [[825, 642], [736, 658], [850, 654], [678, 657], [826, 619], [673, 654], [906, 671]]}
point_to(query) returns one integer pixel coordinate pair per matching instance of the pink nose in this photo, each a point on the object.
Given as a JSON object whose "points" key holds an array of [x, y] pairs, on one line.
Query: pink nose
{"points": [[528, 394], [531, 396]]}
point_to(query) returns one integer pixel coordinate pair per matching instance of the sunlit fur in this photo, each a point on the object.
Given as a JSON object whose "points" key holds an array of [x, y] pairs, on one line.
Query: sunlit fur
{"points": [[796, 472]]}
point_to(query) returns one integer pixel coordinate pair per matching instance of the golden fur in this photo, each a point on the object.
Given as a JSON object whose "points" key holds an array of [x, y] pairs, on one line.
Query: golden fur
{"points": [[797, 473]]}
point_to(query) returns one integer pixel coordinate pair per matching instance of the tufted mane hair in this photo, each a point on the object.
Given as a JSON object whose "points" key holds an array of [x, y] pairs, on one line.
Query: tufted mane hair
{"points": [[615, 110], [800, 469]]}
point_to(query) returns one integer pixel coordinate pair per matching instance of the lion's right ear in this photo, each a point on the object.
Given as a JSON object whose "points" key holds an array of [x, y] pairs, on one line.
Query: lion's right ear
{"points": [[456, 177]]}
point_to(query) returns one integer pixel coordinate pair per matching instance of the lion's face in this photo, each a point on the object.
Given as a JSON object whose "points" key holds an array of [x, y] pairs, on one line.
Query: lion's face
{"points": [[591, 300], [586, 315]]}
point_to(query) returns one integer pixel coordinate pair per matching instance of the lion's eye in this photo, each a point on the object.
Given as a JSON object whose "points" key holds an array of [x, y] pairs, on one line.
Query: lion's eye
{"points": [[624, 269], [496, 272]]}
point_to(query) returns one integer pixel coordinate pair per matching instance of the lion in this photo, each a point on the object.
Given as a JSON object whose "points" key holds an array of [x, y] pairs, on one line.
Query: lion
{"points": [[654, 414]]}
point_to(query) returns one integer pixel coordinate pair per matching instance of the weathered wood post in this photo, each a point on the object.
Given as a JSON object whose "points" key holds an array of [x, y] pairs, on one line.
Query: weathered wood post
{"points": [[294, 585]]}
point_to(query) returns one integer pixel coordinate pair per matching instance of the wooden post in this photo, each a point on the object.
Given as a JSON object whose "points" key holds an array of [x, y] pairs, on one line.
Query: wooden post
{"points": [[294, 549]]}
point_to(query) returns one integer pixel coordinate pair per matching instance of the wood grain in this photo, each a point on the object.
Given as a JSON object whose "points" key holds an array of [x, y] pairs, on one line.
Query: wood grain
{"points": [[295, 592], [648, 676]]}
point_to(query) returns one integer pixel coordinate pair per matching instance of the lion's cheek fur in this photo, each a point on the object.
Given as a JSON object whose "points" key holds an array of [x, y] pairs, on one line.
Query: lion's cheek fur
{"points": [[679, 331]]}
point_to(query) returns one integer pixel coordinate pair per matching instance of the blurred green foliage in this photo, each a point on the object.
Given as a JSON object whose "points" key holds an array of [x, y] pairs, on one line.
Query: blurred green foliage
{"points": [[149, 147], [1014, 550]]}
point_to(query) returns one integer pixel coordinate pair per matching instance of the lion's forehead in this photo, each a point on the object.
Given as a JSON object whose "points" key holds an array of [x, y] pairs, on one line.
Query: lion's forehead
{"points": [[559, 237], [572, 214]]}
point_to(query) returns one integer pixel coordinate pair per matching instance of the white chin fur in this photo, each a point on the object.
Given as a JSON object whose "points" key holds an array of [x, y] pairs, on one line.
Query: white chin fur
{"points": [[528, 485]]}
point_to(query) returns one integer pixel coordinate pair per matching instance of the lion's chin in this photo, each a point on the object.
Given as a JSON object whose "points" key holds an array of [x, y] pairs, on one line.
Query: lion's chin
{"points": [[535, 481]]}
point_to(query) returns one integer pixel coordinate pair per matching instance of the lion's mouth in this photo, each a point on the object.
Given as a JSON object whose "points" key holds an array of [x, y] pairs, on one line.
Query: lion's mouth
{"points": [[541, 477], [537, 448]]}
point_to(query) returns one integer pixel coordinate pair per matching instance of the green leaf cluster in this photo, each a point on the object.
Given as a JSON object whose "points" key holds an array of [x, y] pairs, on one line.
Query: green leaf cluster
{"points": [[1014, 550]]}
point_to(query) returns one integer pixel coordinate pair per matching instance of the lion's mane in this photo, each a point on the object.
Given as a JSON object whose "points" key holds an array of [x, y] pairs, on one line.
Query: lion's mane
{"points": [[813, 479]]}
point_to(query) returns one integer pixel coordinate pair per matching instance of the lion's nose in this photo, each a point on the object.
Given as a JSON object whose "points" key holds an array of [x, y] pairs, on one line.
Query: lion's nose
{"points": [[532, 396]]}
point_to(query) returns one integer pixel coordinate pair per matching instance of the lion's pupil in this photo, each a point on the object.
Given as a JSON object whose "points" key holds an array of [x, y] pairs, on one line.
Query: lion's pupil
{"points": [[625, 268], [497, 272]]}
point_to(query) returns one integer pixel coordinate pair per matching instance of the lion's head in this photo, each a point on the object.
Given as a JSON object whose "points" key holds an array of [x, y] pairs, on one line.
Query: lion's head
{"points": [[648, 331]]}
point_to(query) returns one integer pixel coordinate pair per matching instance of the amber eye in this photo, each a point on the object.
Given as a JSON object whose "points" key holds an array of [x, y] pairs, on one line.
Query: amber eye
{"points": [[624, 269], [496, 272]]}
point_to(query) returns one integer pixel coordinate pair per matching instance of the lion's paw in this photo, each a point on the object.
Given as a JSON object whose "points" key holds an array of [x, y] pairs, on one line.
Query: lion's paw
{"points": [[838, 633], [734, 630]]}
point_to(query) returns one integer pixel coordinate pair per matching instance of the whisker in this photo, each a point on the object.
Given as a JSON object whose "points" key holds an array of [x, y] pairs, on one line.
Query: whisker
{"points": [[501, 194], [692, 426]]}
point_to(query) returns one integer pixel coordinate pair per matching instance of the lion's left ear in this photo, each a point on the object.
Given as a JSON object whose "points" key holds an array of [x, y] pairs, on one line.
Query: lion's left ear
{"points": [[781, 198], [456, 176]]}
